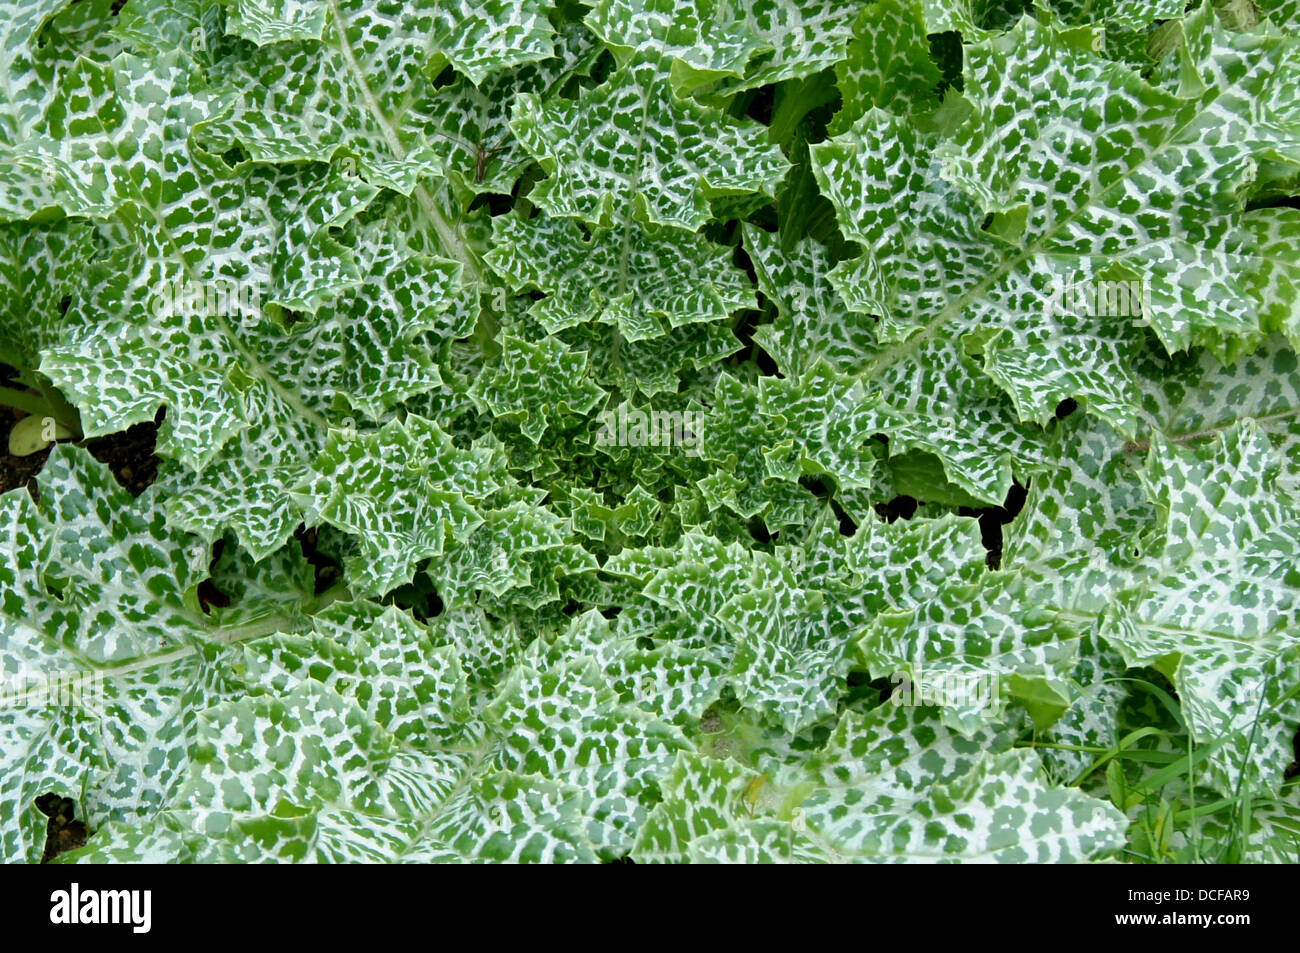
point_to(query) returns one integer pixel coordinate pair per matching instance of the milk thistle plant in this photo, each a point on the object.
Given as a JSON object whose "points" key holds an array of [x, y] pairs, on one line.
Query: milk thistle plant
{"points": [[676, 430]]}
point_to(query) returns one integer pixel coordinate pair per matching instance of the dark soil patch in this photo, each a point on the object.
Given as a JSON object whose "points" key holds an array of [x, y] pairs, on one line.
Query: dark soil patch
{"points": [[208, 593], [14, 471], [1066, 407], [17, 471], [327, 570], [993, 518], [63, 832], [899, 508], [129, 455]]}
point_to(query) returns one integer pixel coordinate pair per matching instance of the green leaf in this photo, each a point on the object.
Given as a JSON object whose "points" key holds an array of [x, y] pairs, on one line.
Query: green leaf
{"points": [[786, 431], [888, 64], [535, 384], [890, 786], [630, 143], [404, 492], [743, 45], [640, 278], [105, 654]]}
